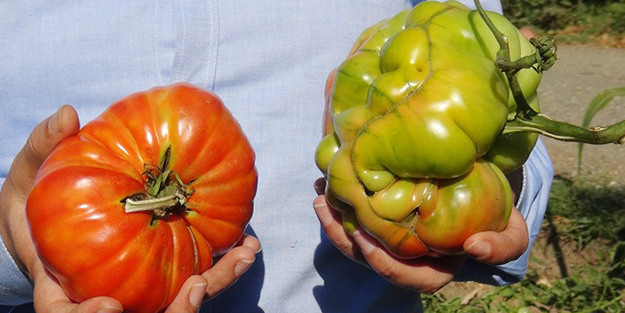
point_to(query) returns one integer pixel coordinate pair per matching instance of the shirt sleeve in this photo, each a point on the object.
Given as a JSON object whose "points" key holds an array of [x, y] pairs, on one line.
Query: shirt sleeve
{"points": [[15, 288], [488, 5], [532, 202]]}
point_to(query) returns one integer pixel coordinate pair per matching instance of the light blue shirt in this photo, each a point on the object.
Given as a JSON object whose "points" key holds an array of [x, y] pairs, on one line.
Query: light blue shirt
{"points": [[268, 61]]}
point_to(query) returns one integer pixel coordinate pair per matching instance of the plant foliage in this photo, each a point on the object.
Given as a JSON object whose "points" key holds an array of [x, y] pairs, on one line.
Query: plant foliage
{"points": [[577, 20]]}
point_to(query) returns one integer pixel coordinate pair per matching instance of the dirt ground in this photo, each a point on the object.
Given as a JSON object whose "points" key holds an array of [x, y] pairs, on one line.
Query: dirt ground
{"points": [[581, 72]]}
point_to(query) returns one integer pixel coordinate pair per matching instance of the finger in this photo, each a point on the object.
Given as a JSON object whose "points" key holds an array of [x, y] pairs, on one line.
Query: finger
{"points": [[93, 305], [40, 143], [190, 297], [320, 186], [424, 274], [497, 248], [250, 242], [332, 224], [42, 140], [50, 298], [527, 32], [231, 265]]}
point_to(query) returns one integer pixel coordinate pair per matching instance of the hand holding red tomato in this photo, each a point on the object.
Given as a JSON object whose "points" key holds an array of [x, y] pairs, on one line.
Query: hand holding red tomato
{"points": [[48, 295]]}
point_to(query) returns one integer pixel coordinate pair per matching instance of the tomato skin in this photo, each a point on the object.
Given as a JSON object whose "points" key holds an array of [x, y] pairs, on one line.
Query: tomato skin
{"points": [[479, 201], [76, 208]]}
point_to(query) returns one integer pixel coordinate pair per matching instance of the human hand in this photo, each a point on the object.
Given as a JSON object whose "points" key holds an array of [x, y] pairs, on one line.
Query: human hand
{"points": [[225, 272], [48, 294], [425, 274], [49, 297]]}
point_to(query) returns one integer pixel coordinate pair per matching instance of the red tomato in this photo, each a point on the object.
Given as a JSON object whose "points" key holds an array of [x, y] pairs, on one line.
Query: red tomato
{"points": [[177, 145]]}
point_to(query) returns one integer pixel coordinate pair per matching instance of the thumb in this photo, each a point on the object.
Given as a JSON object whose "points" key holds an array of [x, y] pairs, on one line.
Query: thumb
{"points": [[497, 248], [42, 140]]}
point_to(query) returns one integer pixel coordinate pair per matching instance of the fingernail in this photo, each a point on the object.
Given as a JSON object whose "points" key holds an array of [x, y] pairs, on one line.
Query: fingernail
{"points": [[479, 249], [322, 213], [242, 267], [260, 248], [320, 186], [365, 246], [109, 309], [197, 294], [54, 123]]}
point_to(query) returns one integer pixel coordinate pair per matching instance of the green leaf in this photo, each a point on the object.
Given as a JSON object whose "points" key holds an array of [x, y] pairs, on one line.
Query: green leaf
{"points": [[597, 104]]}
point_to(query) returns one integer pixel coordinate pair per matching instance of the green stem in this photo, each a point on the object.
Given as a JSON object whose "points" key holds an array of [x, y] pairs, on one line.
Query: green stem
{"points": [[158, 181], [544, 125], [503, 61], [166, 192], [527, 119], [152, 204]]}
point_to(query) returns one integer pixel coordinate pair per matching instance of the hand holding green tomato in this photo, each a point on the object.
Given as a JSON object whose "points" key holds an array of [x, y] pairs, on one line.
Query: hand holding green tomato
{"points": [[423, 120], [414, 110]]}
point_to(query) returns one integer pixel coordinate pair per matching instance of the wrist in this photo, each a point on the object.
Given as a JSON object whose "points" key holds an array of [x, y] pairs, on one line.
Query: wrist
{"points": [[15, 287], [17, 255], [14, 232]]}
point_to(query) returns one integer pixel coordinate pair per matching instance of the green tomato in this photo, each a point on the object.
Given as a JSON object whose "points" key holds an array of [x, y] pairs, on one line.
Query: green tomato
{"points": [[419, 104]]}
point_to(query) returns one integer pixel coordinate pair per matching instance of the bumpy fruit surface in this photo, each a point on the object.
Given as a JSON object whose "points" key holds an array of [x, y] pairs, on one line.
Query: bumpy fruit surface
{"points": [[176, 152], [414, 115]]}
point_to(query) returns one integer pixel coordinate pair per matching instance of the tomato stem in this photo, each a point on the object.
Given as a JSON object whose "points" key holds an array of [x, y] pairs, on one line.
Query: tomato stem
{"points": [[544, 125], [509, 68], [526, 118], [154, 204], [166, 192]]}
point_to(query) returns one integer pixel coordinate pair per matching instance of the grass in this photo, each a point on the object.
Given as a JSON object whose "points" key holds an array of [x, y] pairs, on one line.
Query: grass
{"points": [[587, 209], [585, 219], [581, 21], [587, 290]]}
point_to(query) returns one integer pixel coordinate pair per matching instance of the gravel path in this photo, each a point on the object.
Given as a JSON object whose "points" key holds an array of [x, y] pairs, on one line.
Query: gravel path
{"points": [[580, 73]]}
